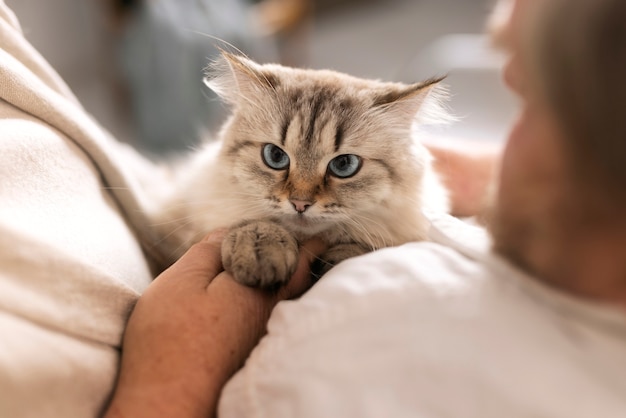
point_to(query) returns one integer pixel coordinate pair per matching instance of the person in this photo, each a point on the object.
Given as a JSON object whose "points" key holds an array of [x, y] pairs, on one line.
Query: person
{"points": [[443, 328]]}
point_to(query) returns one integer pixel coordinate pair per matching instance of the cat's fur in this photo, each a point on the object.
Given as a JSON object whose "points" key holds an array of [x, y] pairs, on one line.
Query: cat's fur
{"points": [[314, 117]]}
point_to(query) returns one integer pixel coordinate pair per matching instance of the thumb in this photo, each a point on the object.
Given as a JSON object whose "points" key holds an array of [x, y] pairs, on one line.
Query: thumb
{"points": [[200, 264]]}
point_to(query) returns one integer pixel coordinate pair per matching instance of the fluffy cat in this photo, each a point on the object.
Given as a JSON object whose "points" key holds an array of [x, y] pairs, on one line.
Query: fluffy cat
{"points": [[305, 153]]}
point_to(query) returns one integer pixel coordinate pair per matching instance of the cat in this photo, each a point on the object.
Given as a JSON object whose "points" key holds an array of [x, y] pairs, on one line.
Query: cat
{"points": [[305, 153]]}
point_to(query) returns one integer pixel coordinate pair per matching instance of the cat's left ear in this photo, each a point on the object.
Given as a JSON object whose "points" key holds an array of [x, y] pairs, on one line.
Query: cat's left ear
{"points": [[239, 80], [419, 102]]}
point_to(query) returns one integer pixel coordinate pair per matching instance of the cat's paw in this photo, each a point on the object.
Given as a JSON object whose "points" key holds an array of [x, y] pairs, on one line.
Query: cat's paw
{"points": [[334, 255], [260, 254]]}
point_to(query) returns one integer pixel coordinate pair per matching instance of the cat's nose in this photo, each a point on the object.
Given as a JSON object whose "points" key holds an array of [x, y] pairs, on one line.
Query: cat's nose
{"points": [[300, 205]]}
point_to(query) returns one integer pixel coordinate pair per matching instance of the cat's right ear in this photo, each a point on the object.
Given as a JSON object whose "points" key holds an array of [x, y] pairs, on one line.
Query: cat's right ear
{"points": [[239, 80]]}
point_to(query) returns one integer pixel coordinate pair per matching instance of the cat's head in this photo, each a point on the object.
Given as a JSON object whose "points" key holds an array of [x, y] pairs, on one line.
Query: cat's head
{"points": [[320, 149]]}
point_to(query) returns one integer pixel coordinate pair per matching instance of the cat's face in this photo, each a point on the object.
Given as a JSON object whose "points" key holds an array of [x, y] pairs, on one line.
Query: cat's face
{"points": [[317, 149]]}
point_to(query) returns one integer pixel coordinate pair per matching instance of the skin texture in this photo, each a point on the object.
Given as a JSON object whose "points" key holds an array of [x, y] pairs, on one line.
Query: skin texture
{"points": [[564, 238], [468, 171], [191, 330]]}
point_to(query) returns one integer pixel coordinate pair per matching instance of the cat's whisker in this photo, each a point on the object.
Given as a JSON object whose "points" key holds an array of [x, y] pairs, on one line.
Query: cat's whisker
{"points": [[208, 200], [114, 188], [314, 118], [166, 236], [366, 235], [184, 245], [381, 230], [195, 202], [315, 257], [216, 38], [172, 221], [374, 243], [250, 207]]}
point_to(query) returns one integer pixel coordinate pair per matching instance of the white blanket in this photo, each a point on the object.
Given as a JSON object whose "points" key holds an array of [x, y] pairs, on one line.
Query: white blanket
{"points": [[434, 329]]}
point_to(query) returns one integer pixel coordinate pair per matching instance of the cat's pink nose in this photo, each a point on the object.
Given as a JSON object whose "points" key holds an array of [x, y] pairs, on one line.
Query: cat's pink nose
{"points": [[300, 205]]}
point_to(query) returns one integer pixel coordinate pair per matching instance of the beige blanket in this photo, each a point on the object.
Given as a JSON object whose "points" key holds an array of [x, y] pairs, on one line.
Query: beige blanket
{"points": [[71, 223]]}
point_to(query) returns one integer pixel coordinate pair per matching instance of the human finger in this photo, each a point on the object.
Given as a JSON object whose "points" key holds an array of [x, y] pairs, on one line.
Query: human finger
{"points": [[200, 264], [301, 280]]}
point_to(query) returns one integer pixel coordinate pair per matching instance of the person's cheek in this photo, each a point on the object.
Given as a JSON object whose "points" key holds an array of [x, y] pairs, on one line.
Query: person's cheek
{"points": [[532, 156], [512, 75], [518, 161], [515, 146]]}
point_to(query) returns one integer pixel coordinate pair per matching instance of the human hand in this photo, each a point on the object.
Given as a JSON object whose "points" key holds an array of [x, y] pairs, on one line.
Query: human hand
{"points": [[191, 330], [468, 170]]}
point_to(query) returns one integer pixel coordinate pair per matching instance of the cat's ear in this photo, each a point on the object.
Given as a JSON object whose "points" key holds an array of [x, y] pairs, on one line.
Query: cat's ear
{"points": [[419, 102], [239, 80]]}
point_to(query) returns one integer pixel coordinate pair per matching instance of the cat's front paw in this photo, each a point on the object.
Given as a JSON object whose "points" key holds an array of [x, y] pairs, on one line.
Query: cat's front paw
{"points": [[260, 254]]}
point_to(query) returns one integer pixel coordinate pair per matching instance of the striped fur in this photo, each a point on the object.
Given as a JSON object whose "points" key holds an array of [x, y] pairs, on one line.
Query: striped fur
{"points": [[314, 116]]}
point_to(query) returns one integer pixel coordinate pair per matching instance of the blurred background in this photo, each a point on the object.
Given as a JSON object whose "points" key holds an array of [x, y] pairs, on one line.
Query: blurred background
{"points": [[137, 65]]}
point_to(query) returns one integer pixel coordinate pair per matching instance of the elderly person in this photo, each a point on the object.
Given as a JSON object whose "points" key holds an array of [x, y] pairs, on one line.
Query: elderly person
{"points": [[447, 328]]}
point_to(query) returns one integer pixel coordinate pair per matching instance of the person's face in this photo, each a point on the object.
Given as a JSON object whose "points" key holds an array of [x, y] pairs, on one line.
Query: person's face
{"points": [[531, 176]]}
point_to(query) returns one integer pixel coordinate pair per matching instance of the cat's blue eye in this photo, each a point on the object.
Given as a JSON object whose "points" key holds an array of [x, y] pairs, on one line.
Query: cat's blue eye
{"points": [[345, 166], [275, 157]]}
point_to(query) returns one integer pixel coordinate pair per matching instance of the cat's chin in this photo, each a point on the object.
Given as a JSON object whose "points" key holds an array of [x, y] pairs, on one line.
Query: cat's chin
{"points": [[304, 225]]}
